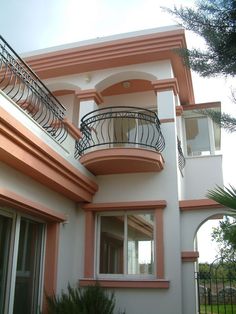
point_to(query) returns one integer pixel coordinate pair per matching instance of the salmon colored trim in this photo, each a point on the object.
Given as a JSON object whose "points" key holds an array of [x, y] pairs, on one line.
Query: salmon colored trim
{"points": [[89, 94], [136, 205], [165, 85], [207, 105], [117, 53], [189, 256], [167, 120], [23, 150], [63, 92], [27, 206], [202, 204], [89, 244], [13, 200], [179, 110], [72, 129], [51, 262], [133, 284], [136, 85], [122, 160], [159, 243]]}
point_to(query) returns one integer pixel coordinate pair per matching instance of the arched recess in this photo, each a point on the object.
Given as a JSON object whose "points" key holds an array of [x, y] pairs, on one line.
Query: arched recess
{"points": [[192, 219], [123, 76], [62, 88]]}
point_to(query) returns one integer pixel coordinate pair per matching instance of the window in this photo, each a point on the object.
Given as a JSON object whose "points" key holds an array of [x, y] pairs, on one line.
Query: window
{"points": [[126, 244], [21, 241], [202, 136]]}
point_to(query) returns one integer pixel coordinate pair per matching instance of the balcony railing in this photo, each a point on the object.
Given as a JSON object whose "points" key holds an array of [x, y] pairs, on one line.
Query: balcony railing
{"points": [[24, 87], [120, 127], [181, 158]]}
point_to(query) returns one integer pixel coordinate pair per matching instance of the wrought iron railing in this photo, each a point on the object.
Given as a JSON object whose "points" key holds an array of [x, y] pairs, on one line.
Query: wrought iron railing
{"points": [[181, 158], [118, 127], [24, 87]]}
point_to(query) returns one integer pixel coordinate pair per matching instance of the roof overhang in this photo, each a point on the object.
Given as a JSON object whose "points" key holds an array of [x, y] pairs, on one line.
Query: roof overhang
{"points": [[105, 54]]}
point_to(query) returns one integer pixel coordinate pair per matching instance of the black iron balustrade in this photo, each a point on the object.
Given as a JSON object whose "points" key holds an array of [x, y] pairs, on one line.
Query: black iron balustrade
{"points": [[181, 158], [120, 127], [24, 87]]}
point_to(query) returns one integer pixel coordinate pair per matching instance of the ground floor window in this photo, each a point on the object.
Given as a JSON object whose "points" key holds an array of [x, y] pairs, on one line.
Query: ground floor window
{"points": [[126, 243], [21, 247]]}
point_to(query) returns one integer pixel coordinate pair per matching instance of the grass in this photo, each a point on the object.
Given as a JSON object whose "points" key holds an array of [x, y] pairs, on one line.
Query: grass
{"points": [[218, 309]]}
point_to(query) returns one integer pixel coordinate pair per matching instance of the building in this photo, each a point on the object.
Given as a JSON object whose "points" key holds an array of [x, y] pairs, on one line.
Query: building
{"points": [[107, 181]]}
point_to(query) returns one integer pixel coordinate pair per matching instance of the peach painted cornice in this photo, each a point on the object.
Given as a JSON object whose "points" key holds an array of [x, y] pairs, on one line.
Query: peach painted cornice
{"points": [[9, 198], [118, 53], [200, 204], [189, 256], [165, 85], [24, 151], [89, 94], [208, 105]]}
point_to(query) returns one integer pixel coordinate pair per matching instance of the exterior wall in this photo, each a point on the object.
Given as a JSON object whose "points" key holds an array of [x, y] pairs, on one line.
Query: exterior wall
{"points": [[179, 228], [201, 174], [70, 258]]}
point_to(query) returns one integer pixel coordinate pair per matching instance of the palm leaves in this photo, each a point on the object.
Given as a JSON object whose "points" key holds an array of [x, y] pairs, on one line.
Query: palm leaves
{"points": [[225, 196]]}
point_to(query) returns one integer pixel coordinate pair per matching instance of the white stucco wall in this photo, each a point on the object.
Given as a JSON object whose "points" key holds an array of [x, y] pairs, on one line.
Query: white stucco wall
{"points": [[71, 241], [201, 174]]}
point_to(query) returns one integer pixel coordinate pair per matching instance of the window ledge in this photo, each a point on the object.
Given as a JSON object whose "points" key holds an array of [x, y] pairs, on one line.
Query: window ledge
{"points": [[137, 284]]}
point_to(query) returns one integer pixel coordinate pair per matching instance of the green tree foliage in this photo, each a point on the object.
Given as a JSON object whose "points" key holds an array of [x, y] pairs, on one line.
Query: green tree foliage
{"points": [[225, 237], [215, 21], [89, 300]]}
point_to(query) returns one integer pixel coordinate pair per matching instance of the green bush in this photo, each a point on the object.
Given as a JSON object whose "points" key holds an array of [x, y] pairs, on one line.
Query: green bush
{"points": [[89, 300]]}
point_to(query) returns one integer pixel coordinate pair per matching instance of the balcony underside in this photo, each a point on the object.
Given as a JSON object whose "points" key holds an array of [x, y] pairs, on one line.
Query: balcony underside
{"points": [[122, 160]]}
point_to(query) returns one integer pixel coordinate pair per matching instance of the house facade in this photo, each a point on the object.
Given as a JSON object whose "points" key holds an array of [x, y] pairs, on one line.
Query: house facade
{"points": [[105, 163]]}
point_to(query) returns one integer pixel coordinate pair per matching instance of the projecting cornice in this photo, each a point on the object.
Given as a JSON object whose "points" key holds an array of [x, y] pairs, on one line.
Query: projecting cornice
{"points": [[116, 53]]}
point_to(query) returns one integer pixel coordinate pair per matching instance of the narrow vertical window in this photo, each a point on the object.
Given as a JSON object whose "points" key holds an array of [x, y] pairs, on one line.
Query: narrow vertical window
{"points": [[5, 237], [28, 267]]}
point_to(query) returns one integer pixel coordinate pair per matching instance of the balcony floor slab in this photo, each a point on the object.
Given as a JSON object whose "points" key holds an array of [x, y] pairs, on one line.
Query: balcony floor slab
{"points": [[122, 160]]}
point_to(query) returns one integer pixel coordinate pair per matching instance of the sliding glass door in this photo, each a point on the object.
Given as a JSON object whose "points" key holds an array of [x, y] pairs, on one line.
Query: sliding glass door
{"points": [[21, 247]]}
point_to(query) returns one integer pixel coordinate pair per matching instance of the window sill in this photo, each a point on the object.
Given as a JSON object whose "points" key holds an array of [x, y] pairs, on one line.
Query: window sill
{"points": [[137, 284]]}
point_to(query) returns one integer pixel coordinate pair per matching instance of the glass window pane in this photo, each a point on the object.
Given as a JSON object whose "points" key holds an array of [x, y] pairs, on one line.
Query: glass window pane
{"points": [[28, 267], [140, 244], [112, 245], [5, 235], [197, 136]]}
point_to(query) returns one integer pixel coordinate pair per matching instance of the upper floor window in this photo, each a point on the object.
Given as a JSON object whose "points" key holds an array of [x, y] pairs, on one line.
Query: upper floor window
{"points": [[126, 244], [202, 136]]}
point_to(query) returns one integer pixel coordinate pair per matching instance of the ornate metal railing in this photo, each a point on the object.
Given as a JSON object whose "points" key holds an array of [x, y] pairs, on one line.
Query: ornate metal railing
{"points": [[118, 127], [181, 158], [24, 87]]}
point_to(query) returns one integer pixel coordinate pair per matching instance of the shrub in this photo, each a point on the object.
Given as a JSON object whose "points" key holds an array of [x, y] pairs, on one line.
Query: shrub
{"points": [[89, 300]]}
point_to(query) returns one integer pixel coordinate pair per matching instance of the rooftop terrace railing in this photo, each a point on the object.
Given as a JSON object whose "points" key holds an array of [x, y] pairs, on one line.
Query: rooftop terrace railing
{"points": [[24, 87], [120, 127]]}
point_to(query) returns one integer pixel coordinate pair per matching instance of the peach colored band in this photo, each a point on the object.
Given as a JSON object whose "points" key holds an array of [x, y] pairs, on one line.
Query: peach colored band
{"points": [[189, 256]]}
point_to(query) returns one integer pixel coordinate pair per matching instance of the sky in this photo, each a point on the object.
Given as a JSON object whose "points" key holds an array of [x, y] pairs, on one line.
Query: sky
{"points": [[29, 25]]}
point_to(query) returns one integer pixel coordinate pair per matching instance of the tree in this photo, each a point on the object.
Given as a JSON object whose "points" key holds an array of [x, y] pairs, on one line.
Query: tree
{"points": [[215, 21], [225, 237]]}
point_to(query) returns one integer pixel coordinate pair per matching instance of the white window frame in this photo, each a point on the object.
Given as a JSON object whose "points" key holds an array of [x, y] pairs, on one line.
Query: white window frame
{"points": [[125, 275], [210, 134]]}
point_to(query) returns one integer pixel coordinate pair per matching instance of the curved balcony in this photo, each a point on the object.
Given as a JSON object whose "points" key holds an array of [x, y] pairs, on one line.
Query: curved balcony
{"points": [[121, 140]]}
